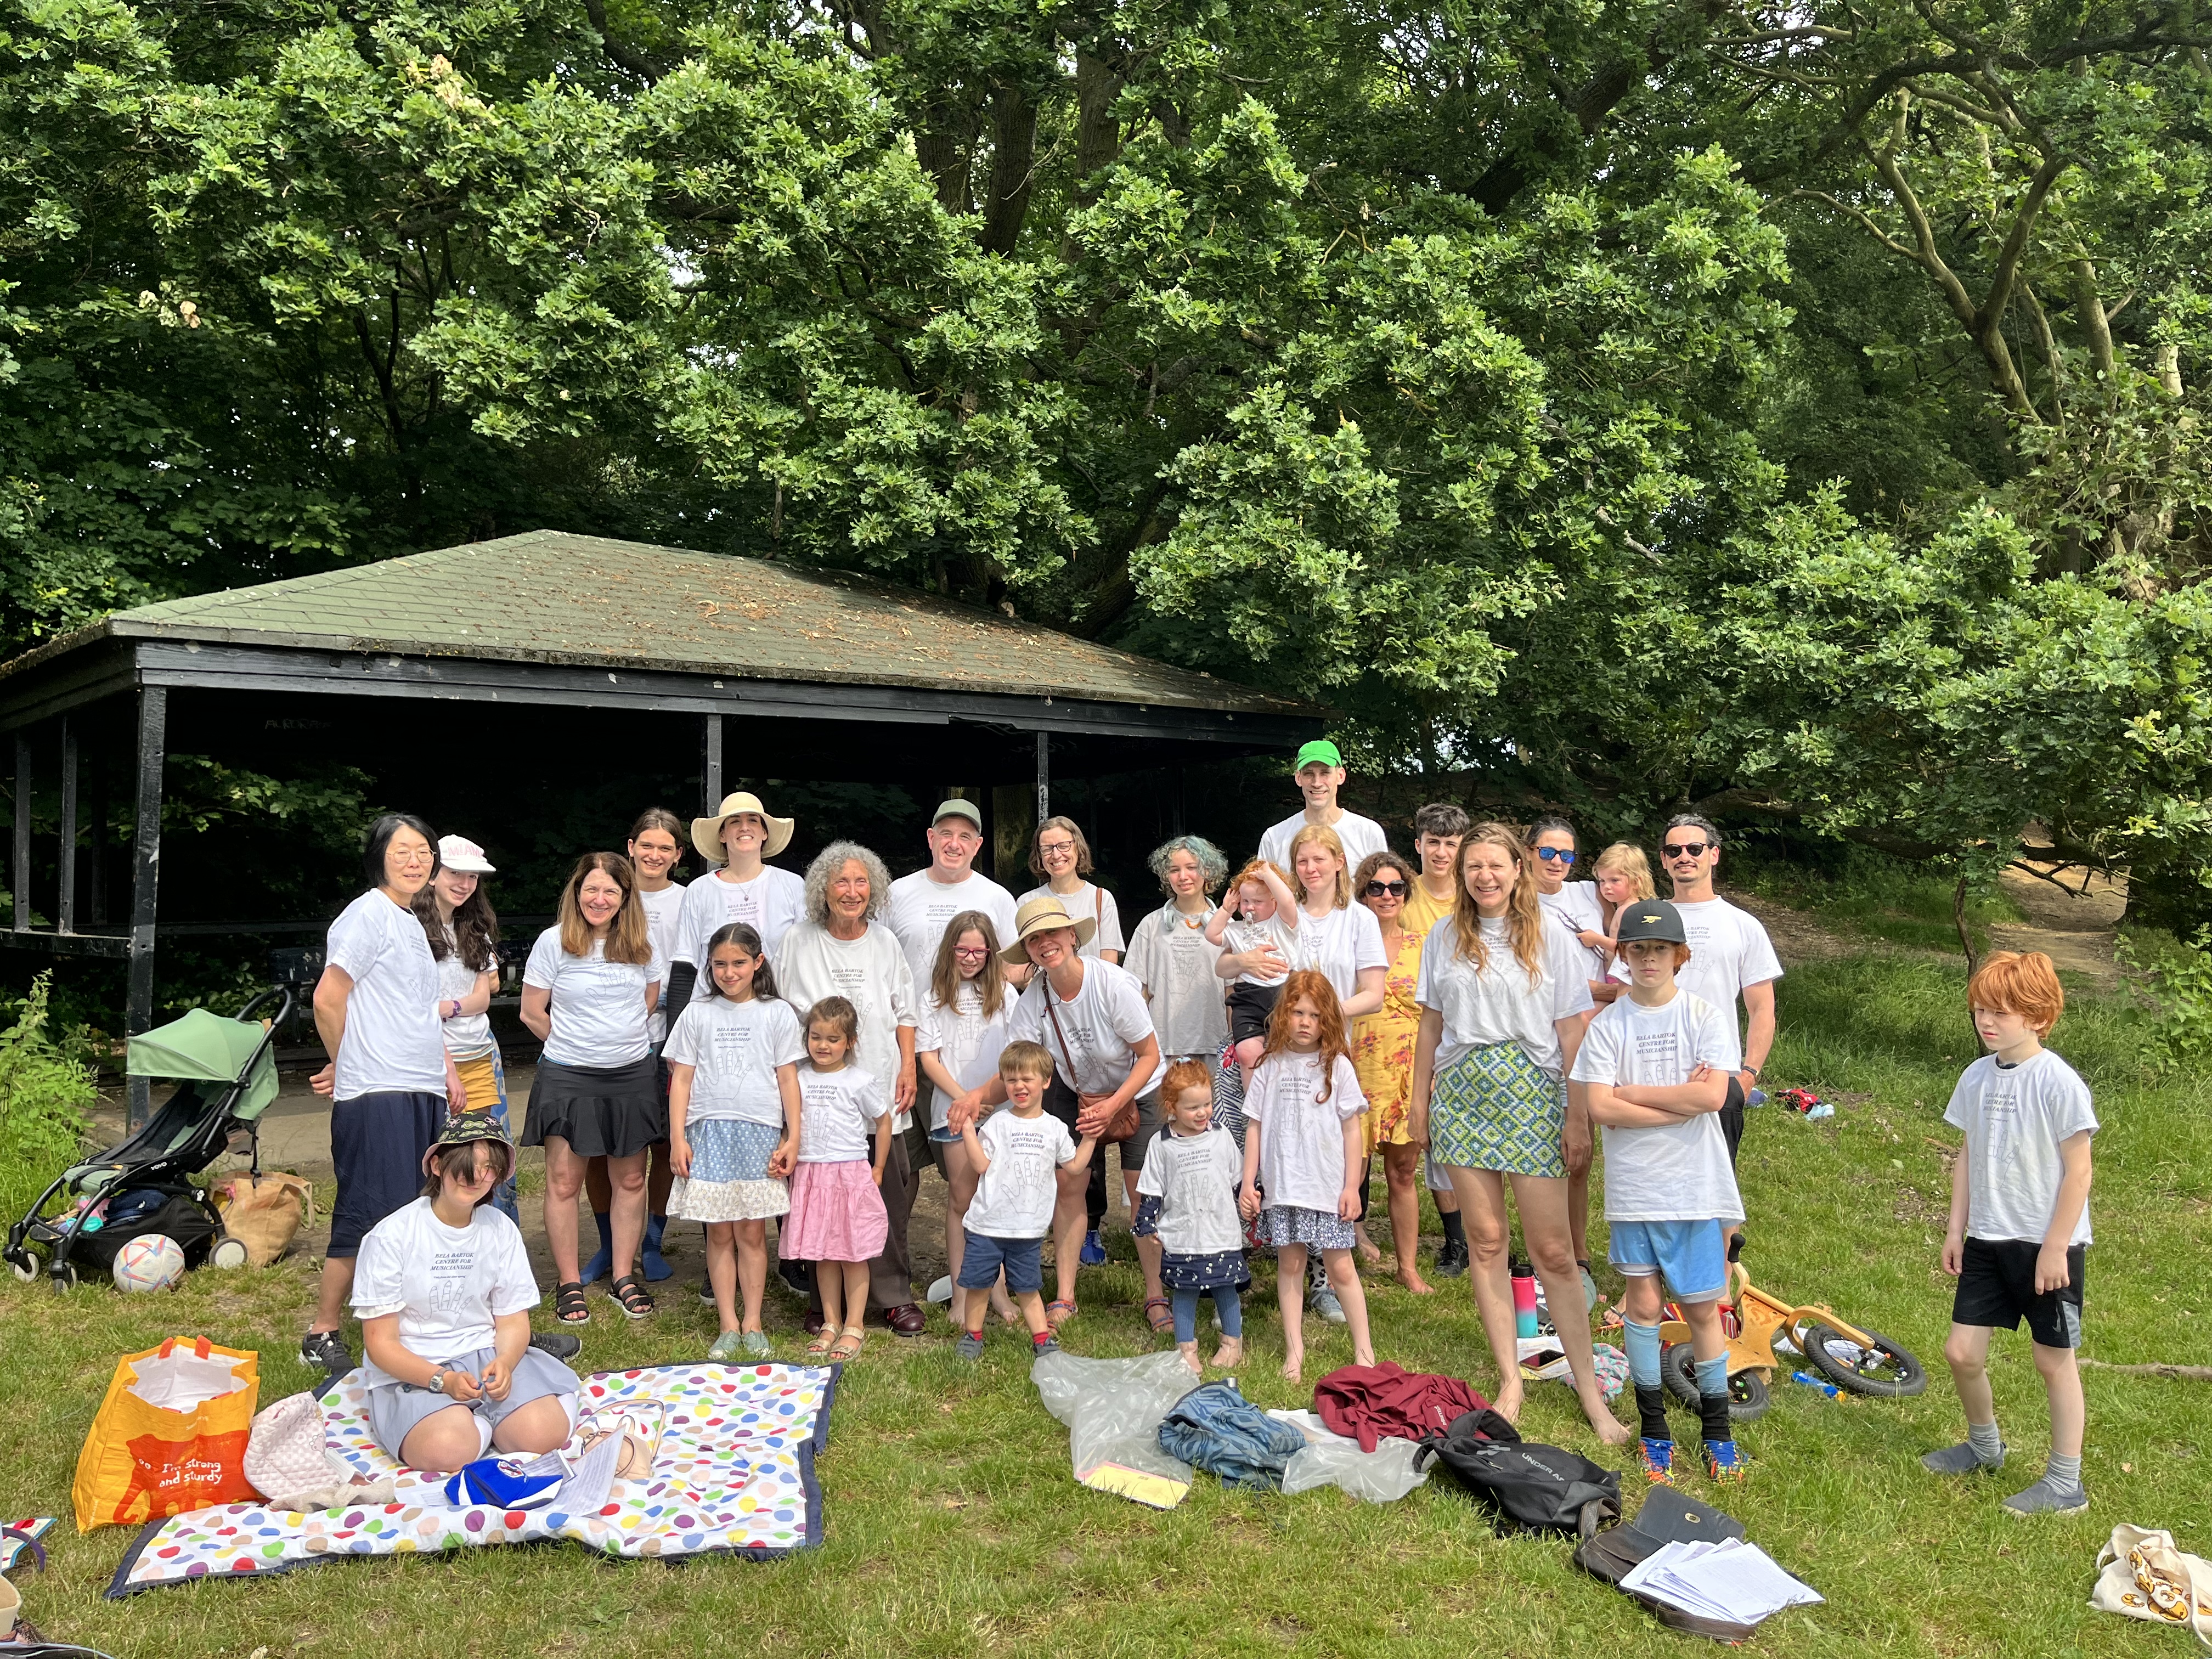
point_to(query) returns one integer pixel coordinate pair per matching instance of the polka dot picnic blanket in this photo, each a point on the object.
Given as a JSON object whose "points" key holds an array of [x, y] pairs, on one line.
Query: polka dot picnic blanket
{"points": [[734, 1473]]}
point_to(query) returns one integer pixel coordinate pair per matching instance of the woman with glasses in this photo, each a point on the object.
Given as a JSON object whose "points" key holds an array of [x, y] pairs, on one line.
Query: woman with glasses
{"points": [[1382, 1054], [1060, 857]]}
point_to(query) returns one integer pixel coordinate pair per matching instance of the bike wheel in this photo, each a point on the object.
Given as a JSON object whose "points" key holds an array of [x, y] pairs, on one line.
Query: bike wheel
{"points": [[1677, 1369], [1886, 1369]]}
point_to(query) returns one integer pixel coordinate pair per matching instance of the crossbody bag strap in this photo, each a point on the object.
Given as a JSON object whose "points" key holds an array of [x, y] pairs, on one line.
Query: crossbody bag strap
{"points": [[1052, 1014]]}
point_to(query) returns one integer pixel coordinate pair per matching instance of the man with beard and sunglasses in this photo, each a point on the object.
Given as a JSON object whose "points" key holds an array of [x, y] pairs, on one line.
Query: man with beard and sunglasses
{"points": [[1731, 958]]}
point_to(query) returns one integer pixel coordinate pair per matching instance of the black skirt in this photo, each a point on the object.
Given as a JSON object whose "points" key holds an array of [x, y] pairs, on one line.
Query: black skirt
{"points": [[614, 1111]]}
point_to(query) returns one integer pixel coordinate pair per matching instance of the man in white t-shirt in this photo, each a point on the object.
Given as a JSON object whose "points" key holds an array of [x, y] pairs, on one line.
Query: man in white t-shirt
{"points": [[1319, 769], [921, 905], [1731, 958]]}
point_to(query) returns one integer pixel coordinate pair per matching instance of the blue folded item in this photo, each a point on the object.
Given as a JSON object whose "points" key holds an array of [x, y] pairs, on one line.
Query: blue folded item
{"points": [[1214, 1427], [500, 1483]]}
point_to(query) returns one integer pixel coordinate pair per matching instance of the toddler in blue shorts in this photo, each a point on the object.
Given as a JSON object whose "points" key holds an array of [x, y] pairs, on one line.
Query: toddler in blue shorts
{"points": [[1017, 1152], [1654, 1069]]}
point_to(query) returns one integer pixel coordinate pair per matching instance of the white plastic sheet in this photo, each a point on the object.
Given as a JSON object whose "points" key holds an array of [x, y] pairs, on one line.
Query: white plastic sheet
{"points": [[1114, 1409], [1382, 1476]]}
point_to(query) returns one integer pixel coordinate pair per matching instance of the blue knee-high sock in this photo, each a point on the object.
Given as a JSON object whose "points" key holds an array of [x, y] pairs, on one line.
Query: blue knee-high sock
{"points": [[1641, 1342]]}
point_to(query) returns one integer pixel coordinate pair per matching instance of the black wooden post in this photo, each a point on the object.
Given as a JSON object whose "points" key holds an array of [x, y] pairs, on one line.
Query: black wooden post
{"points": [[146, 873], [710, 763], [22, 877], [1044, 776], [65, 907]]}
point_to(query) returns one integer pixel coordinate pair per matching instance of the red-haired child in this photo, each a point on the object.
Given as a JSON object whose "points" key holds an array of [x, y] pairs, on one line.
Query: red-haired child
{"points": [[2020, 1222]]}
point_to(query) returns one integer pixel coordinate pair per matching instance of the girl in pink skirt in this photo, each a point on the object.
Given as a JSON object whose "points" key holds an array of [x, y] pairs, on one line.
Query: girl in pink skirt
{"points": [[837, 1219]]}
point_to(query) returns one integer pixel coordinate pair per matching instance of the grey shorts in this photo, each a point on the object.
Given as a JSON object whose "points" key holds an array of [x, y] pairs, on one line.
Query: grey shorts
{"points": [[395, 1409]]}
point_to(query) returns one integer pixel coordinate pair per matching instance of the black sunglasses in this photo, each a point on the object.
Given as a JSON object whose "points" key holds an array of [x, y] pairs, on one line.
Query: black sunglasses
{"points": [[1386, 888], [1549, 853], [1686, 849]]}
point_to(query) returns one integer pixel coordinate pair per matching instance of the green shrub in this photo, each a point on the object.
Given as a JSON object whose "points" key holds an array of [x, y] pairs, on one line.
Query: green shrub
{"points": [[45, 1099], [2181, 974]]}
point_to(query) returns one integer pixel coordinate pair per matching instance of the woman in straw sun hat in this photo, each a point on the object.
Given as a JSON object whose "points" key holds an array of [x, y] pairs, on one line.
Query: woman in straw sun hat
{"points": [[1091, 1016], [739, 885]]}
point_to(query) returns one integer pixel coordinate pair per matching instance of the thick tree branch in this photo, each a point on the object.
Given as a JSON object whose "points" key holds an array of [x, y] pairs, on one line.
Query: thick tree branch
{"points": [[1013, 147], [630, 59]]}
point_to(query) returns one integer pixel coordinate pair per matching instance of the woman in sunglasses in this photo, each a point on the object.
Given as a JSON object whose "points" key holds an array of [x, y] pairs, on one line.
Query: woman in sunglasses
{"points": [[1382, 1054], [1578, 907]]}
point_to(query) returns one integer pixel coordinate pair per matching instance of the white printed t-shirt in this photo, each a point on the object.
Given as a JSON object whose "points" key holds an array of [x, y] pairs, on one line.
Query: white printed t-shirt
{"points": [[391, 1044], [771, 903], [736, 1048], [2013, 1117], [466, 1035], [1359, 837], [1102, 1023], [599, 1006], [870, 973], [1173, 961], [966, 1040], [1016, 1195], [1196, 1178], [1577, 905], [837, 1113], [1498, 1003], [1243, 938], [1339, 944], [664, 913], [1729, 949], [918, 910], [1679, 1172], [1089, 900], [1301, 1137], [446, 1284]]}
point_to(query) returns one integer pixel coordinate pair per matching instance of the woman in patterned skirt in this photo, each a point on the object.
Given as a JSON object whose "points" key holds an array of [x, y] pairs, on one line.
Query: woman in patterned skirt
{"points": [[1504, 995], [1382, 1054]]}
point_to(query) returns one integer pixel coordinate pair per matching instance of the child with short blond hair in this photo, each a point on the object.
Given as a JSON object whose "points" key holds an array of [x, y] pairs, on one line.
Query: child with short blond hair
{"points": [[1016, 1153], [2019, 1233]]}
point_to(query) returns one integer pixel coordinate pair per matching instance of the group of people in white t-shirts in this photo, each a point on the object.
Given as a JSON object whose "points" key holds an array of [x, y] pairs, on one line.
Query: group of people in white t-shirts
{"points": [[758, 1047]]}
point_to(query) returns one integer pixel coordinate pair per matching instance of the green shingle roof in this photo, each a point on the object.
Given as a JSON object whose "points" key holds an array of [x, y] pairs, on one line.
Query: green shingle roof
{"points": [[550, 597]]}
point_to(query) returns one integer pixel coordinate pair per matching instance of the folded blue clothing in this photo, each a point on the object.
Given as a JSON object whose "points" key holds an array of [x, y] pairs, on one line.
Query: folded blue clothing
{"points": [[1214, 1427], [508, 1483]]}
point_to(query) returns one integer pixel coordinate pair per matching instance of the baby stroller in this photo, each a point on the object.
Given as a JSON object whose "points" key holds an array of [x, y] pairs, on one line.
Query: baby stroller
{"points": [[227, 1076]]}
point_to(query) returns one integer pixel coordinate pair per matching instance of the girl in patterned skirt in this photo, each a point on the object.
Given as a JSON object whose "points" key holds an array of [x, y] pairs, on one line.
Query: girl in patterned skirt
{"points": [[1304, 1157], [733, 1115], [1187, 1197]]}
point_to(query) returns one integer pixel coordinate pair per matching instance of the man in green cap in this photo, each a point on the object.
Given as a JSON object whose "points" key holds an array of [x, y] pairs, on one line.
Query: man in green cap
{"points": [[1320, 771]]}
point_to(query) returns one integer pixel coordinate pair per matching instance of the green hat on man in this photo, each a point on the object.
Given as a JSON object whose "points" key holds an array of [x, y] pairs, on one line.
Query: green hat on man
{"points": [[1319, 752]]}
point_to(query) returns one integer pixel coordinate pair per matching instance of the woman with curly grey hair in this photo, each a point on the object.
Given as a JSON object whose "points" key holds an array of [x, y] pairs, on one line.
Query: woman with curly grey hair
{"points": [[1168, 951], [840, 947]]}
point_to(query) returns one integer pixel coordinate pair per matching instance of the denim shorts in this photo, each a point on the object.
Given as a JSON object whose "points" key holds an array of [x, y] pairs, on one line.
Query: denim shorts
{"points": [[1022, 1258]]}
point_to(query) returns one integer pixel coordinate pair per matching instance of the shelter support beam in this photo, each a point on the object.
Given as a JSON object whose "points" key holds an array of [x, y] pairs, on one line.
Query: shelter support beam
{"points": [[710, 762], [22, 879], [1044, 776], [146, 873], [65, 904]]}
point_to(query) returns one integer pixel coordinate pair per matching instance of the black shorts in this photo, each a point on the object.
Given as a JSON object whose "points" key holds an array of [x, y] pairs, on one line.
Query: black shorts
{"points": [[1064, 1104], [1996, 1288], [1250, 1009]]}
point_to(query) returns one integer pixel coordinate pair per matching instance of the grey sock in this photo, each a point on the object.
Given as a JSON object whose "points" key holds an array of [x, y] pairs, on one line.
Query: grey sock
{"points": [[1980, 1450], [2047, 1496], [2064, 1473]]}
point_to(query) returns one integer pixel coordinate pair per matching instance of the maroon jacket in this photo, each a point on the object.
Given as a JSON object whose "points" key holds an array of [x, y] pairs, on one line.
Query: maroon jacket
{"points": [[1371, 1402]]}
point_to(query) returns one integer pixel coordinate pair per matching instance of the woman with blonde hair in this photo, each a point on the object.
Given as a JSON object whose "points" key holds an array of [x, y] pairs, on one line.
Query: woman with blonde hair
{"points": [[1504, 1000], [588, 992]]}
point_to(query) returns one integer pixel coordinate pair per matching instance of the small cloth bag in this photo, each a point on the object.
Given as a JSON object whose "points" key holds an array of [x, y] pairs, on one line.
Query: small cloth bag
{"points": [[2142, 1574], [284, 1457]]}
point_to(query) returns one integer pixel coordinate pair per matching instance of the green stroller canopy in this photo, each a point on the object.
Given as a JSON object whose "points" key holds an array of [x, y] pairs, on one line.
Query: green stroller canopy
{"points": [[207, 1048]]}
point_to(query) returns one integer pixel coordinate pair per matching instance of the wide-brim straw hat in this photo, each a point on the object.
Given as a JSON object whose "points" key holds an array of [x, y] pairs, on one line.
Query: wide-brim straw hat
{"points": [[1042, 914], [707, 833]]}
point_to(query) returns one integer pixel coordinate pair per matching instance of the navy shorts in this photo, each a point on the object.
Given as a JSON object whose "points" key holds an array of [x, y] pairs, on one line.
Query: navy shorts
{"points": [[377, 1146], [1996, 1288], [1022, 1258]]}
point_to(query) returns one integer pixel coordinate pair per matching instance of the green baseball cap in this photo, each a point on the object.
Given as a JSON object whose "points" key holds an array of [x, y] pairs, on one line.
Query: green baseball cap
{"points": [[957, 808], [1319, 752]]}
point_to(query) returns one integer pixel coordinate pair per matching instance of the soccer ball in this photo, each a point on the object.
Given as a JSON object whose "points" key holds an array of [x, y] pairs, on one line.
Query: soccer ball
{"points": [[151, 1261]]}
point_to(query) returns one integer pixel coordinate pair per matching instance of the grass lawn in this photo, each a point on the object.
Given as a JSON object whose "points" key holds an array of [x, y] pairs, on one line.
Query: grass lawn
{"points": [[953, 1525]]}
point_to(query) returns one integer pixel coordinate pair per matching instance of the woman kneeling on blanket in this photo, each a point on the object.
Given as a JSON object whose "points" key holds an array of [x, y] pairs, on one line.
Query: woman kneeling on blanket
{"points": [[448, 1276]]}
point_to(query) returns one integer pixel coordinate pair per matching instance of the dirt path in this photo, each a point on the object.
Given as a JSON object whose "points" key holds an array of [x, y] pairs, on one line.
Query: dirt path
{"points": [[2074, 928]]}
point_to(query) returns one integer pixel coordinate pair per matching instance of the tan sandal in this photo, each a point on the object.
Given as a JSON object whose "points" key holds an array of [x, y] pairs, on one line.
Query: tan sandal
{"points": [[824, 1339], [855, 1334]]}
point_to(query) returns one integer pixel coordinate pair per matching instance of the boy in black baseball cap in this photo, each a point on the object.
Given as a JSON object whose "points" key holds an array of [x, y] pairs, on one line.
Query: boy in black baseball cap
{"points": [[1654, 1070]]}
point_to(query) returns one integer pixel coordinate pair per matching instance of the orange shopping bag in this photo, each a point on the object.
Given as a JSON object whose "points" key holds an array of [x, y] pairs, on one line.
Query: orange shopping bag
{"points": [[170, 1435]]}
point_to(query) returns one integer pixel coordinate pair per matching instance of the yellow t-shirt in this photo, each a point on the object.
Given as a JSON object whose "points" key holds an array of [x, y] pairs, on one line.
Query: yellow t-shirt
{"points": [[1422, 912]]}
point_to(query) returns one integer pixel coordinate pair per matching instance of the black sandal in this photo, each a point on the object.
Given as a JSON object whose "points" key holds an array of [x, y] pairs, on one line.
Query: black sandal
{"points": [[570, 1306], [632, 1297]]}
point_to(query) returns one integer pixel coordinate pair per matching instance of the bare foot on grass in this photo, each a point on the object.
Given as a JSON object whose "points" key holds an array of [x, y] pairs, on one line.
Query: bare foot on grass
{"points": [[1410, 1277], [1609, 1429], [1507, 1401], [1189, 1352]]}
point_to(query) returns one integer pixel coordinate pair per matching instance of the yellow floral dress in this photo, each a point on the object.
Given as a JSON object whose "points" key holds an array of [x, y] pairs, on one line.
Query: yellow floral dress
{"points": [[1383, 1046]]}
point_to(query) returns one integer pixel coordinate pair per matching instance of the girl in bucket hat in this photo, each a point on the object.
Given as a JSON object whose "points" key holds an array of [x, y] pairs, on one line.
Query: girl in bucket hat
{"points": [[443, 1289]]}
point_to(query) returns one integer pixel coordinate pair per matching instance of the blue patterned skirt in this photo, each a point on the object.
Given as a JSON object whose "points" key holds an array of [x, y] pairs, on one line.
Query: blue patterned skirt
{"points": [[1495, 1109], [1317, 1229], [729, 1179], [1204, 1273]]}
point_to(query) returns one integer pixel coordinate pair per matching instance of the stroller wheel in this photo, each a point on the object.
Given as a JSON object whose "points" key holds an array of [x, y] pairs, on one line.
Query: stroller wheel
{"points": [[24, 1265], [228, 1253]]}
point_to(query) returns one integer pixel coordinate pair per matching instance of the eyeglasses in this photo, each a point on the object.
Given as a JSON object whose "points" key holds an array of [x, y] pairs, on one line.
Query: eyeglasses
{"points": [[1386, 889], [1046, 849], [967, 955], [1554, 855], [1686, 849]]}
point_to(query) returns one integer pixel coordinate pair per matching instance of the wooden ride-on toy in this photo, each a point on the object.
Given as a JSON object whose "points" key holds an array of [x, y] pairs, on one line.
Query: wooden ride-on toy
{"points": [[1854, 1360]]}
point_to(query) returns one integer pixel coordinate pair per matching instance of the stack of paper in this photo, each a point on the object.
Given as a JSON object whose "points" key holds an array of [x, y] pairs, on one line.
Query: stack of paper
{"points": [[1731, 1580]]}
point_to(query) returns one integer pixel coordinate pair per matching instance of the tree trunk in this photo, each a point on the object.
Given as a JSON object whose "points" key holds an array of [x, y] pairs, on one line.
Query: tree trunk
{"points": [[1013, 143], [1959, 921], [2098, 328]]}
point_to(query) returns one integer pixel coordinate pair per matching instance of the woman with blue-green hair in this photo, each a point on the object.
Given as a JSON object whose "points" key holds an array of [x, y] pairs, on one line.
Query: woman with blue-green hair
{"points": [[1169, 953]]}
